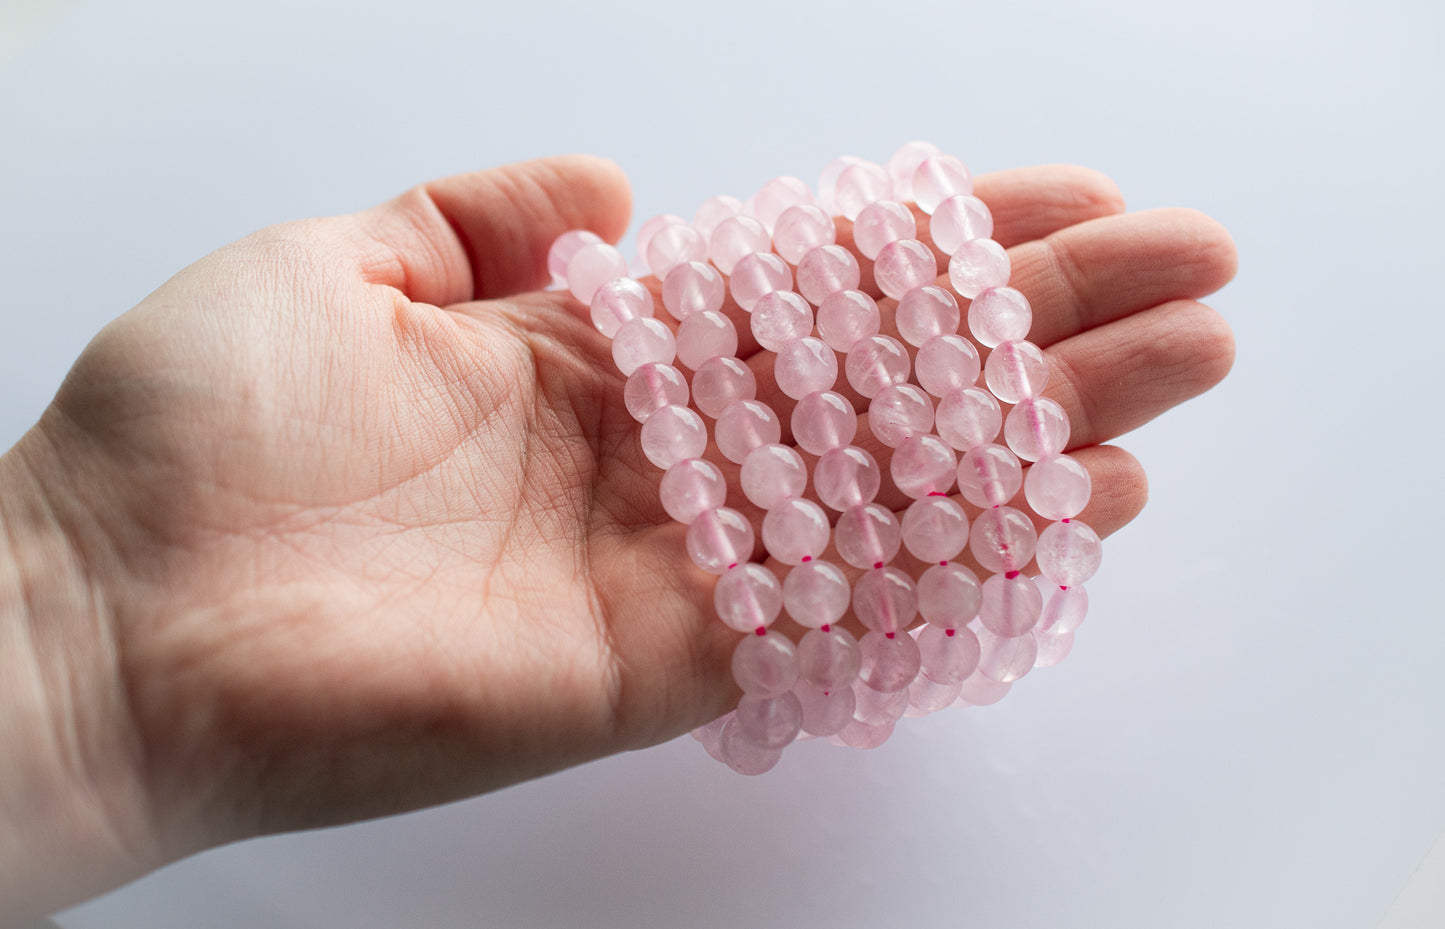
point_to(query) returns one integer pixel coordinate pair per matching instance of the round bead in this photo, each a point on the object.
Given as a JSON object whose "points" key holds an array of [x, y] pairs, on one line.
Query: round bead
{"points": [[744, 426], [926, 696], [816, 594], [709, 735], [1052, 648], [862, 736], [592, 266], [765, 665], [778, 196], [888, 664], [903, 164], [779, 318], [1036, 429], [825, 270], [1058, 487], [705, 335], [949, 595], [903, 265], [720, 382], [885, 600], [757, 275], [674, 245], [1005, 660], [867, 536], [652, 387], [948, 655], [846, 317], [980, 690], [935, 529], [1000, 314], [800, 229], [652, 227], [734, 238], [618, 301], [1015, 371], [641, 341], [805, 366], [978, 265], [824, 714], [989, 475], [875, 363], [957, 220], [828, 660], [965, 418], [672, 434], [713, 211], [1002, 539], [938, 178], [690, 488], [795, 531], [693, 287], [923, 465], [860, 184], [719, 539], [925, 313], [899, 411], [748, 598], [1069, 553], [828, 180], [846, 477], [880, 223], [821, 421], [562, 250], [1010, 605], [772, 474], [946, 363], [742, 755], [876, 708], [1064, 612], [769, 722]]}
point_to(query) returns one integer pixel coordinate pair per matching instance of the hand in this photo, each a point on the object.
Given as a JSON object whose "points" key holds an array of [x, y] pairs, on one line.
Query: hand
{"points": [[360, 522]]}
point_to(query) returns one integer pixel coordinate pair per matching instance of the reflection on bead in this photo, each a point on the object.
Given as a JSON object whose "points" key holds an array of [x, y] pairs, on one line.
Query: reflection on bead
{"points": [[904, 163], [1064, 612], [693, 287], [877, 708], [946, 363], [777, 196], [1057, 487], [618, 301], [948, 659], [823, 421], [1015, 371], [828, 180], [957, 220], [863, 736], [828, 660], [756, 275], [674, 245], [1005, 660], [858, 185], [805, 366], [1002, 539], [925, 313], [899, 411], [846, 477], [846, 317], [867, 536], [980, 690], [1069, 553], [741, 755], [876, 362], [977, 265], [1011, 605], [779, 318], [1000, 314], [769, 722], [652, 227], [705, 335], [795, 531], [713, 211], [772, 474], [748, 598], [927, 696], [800, 229], [672, 434], [938, 178], [562, 250], [1052, 648], [935, 529], [721, 382], [923, 465], [903, 265], [826, 270], [885, 600], [880, 223], [765, 665], [652, 387], [690, 488], [719, 539], [965, 418], [889, 664], [989, 475], [592, 266], [824, 714], [641, 341], [734, 238], [744, 426], [949, 595], [1036, 429], [816, 594]]}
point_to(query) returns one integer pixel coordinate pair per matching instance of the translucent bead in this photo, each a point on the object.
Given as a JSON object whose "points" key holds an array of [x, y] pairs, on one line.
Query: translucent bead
{"points": [[989, 475], [705, 335], [846, 317], [938, 178], [957, 220], [948, 656], [1064, 612], [756, 275], [899, 411], [693, 287], [618, 301], [1002, 539], [734, 238], [765, 665], [926, 313], [709, 735], [748, 598], [828, 180], [672, 246], [641, 341], [867, 536], [652, 387], [946, 363], [889, 664], [927, 696], [903, 164], [673, 434], [800, 229], [846, 477], [885, 600], [690, 488], [826, 270], [979, 690], [795, 531], [779, 318], [881, 223], [860, 184], [719, 539], [978, 265], [822, 421], [652, 227], [875, 363], [1057, 487], [778, 196], [876, 708], [772, 474], [1010, 605], [592, 266], [562, 250], [1036, 429], [1052, 648], [1069, 553], [824, 714], [923, 465], [862, 736], [903, 265], [1000, 314], [965, 418], [935, 529], [1015, 371], [742, 755], [720, 382], [828, 660], [770, 722], [949, 595], [713, 211], [805, 366], [816, 594], [744, 426], [1004, 660]]}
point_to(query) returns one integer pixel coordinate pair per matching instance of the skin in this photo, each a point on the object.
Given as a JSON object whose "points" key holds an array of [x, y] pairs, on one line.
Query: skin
{"points": [[349, 518]]}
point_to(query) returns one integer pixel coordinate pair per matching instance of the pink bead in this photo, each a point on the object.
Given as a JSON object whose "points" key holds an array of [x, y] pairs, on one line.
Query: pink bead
{"points": [[756, 275], [903, 164], [822, 421], [705, 335], [673, 434], [744, 426], [859, 185], [946, 363], [875, 363], [949, 595], [713, 211], [720, 382], [710, 734], [777, 197], [1000, 314], [734, 238], [800, 229], [690, 488], [652, 387], [816, 594], [1010, 605], [862, 736], [719, 539], [846, 317], [748, 598], [881, 223], [641, 341], [1064, 612], [769, 722], [1002, 539], [618, 301], [867, 536], [828, 660], [979, 690], [826, 270], [965, 418], [674, 245], [938, 178], [1069, 553], [693, 287], [957, 220], [876, 708], [805, 366], [1058, 487], [779, 318], [899, 411], [1015, 371], [989, 475], [903, 265], [885, 600], [935, 529], [926, 696], [652, 227], [1052, 648], [562, 250], [592, 266], [925, 313], [846, 477], [1037, 429], [978, 265], [772, 474], [795, 531], [923, 465], [741, 755], [889, 664], [1005, 660], [948, 656], [765, 665], [824, 714], [828, 180]]}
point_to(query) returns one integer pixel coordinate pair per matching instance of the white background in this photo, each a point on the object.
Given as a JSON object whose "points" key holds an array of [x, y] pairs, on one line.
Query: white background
{"points": [[1249, 731]]}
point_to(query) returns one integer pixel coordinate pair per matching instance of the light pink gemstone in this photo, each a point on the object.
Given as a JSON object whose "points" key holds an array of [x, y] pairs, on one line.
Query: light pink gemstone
{"points": [[867, 536], [769, 722], [903, 164], [741, 755], [795, 531], [875, 363], [721, 382], [800, 229], [978, 265], [805, 366], [765, 665], [946, 363], [889, 663], [1064, 612], [1036, 429], [989, 475], [748, 598], [1002, 540], [885, 600], [1005, 660], [672, 434], [619, 301], [1010, 605], [828, 660], [690, 488], [938, 178], [772, 474], [705, 335], [899, 411], [859, 185], [824, 714], [652, 227], [926, 313], [949, 655], [957, 220], [1069, 553], [846, 317], [777, 196], [779, 318], [881, 223], [674, 245], [949, 595], [735, 237], [713, 211], [719, 539], [710, 734], [862, 736], [828, 180], [846, 477], [826, 270], [1000, 314], [1058, 487], [641, 341], [562, 250], [980, 690], [756, 275], [965, 418], [923, 465], [652, 387], [816, 594], [1016, 371], [744, 426], [904, 265], [927, 696], [822, 421], [592, 266], [935, 529], [693, 287], [877, 708], [1052, 648]]}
